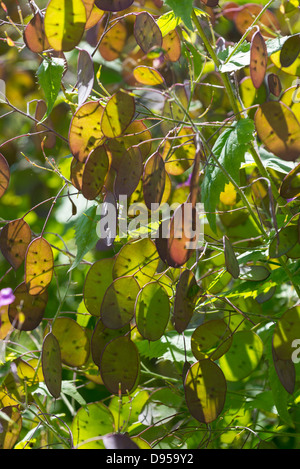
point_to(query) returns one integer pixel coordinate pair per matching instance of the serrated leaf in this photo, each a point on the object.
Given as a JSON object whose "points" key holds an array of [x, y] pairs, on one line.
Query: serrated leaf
{"points": [[50, 74], [230, 149], [85, 234], [69, 388], [182, 10]]}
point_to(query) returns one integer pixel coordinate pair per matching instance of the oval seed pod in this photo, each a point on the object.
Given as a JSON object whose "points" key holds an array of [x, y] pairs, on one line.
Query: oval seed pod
{"points": [[290, 51], [4, 175], [34, 34], [274, 84], [51, 365], [39, 266], [117, 308], [64, 24], [279, 130], [184, 303], [120, 365], [258, 59], [27, 311], [154, 179], [15, 237], [113, 5], [152, 311], [94, 173], [147, 32], [85, 132], [205, 390], [118, 114]]}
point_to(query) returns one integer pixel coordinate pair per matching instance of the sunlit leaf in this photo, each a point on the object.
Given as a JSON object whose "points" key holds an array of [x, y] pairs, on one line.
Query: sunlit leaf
{"points": [[49, 74], [246, 15]]}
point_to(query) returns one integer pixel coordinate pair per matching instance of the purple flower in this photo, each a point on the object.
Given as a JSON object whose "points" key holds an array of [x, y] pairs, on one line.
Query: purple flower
{"points": [[6, 297]]}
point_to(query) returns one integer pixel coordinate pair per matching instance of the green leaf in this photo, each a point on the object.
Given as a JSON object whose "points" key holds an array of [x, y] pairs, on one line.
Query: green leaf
{"points": [[271, 161], [229, 149], [171, 347], [69, 388], [182, 10], [49, 75], [85, 234]]}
